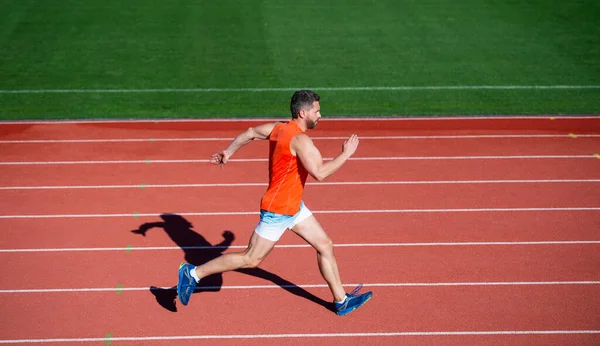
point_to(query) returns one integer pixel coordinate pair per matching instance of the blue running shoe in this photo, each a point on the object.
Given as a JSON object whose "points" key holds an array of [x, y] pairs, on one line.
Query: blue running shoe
{"points": [[186, 284], [353, 301]]}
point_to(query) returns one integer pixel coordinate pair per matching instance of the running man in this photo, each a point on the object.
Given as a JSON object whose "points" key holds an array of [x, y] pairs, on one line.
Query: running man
{"points": [[292, 157]]}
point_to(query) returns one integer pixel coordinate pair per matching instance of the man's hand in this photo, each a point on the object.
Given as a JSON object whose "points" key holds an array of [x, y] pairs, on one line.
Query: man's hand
{"points": [[220, 158], [350, 145]]}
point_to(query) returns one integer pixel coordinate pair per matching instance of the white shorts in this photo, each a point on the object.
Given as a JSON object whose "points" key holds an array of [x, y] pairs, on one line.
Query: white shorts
{"points": [[271, 226]]}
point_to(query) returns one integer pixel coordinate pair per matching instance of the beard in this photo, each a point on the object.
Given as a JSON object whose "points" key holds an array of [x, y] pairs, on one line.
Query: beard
{"points": [[312, 124]]}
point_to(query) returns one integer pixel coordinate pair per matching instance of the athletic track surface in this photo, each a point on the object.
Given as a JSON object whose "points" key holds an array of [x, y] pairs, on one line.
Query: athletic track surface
{"points": [[469, 231]]}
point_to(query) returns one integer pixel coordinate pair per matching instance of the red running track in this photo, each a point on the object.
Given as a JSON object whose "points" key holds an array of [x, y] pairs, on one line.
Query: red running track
{"points": [[436, 222]]}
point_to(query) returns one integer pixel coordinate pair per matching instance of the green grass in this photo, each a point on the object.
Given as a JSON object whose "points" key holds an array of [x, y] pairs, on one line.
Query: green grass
{"points": [[176, 44]]}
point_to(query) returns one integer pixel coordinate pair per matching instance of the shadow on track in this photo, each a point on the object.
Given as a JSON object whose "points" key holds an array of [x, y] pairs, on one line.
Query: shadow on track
{"points": [[198, 250]]}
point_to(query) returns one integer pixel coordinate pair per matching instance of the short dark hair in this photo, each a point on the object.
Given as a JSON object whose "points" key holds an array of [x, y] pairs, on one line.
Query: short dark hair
{"points": [[302, 99]]}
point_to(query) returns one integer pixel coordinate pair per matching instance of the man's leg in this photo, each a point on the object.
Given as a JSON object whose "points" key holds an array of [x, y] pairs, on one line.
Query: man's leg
{"points": [[311, 230], [258, 248]]}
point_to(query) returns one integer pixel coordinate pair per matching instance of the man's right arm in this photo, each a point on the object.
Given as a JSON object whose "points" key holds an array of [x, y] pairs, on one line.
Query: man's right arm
{"points": [[312, 160], [259, 132]]}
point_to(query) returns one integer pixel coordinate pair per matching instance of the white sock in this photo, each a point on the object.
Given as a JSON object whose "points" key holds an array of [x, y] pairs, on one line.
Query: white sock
{"points": [[343, 300], [194, 275]]}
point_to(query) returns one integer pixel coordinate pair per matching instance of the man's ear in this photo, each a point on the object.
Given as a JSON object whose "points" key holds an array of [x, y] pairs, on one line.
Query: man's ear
{"points": [[302, 113]]}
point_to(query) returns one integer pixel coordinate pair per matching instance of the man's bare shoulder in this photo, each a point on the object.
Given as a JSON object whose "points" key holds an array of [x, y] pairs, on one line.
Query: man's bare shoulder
{"points": [[302, 139], [301, 142], [263, 131]]}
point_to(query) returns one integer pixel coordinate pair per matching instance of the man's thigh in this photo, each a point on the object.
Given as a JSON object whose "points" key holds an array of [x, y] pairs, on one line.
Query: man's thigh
{"points": [[311, 230], [259, 247]]}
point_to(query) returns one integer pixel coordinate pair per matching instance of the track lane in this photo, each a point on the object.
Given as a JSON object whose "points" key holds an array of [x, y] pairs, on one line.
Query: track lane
{"points": [[234, 312], [577, 262], [323, 197], [256, 172], [380, 126], [185, 150], [343, 228]]}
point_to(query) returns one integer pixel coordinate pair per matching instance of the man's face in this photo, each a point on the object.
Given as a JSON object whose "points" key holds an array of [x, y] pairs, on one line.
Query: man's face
{"points": [[313, 115]]}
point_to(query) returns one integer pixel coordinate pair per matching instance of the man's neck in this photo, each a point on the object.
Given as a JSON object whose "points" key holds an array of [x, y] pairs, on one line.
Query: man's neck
{"points": [[301, 124]]}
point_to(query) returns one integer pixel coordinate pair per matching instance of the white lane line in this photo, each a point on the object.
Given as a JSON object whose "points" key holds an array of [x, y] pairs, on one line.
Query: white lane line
{"points": [[109, 162], [208, 139], [386, 158], [376, 211], [490, 157], [254, 90], [419, 118], [242, 287], [138, 186], [336, 183], [297, 246], [305, 335]]}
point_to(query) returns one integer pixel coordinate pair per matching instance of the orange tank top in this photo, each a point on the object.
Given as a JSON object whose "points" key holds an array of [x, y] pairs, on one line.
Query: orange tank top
{"points": [[287, 176]]}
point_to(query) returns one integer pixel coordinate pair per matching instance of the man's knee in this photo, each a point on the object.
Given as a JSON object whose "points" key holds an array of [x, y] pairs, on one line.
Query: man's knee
{"points": [[324, 245], [252, 261]]}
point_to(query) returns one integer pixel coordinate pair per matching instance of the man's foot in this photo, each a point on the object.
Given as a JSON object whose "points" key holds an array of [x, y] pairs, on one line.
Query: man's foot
{"points": [[352, 302], [186, 285]]}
